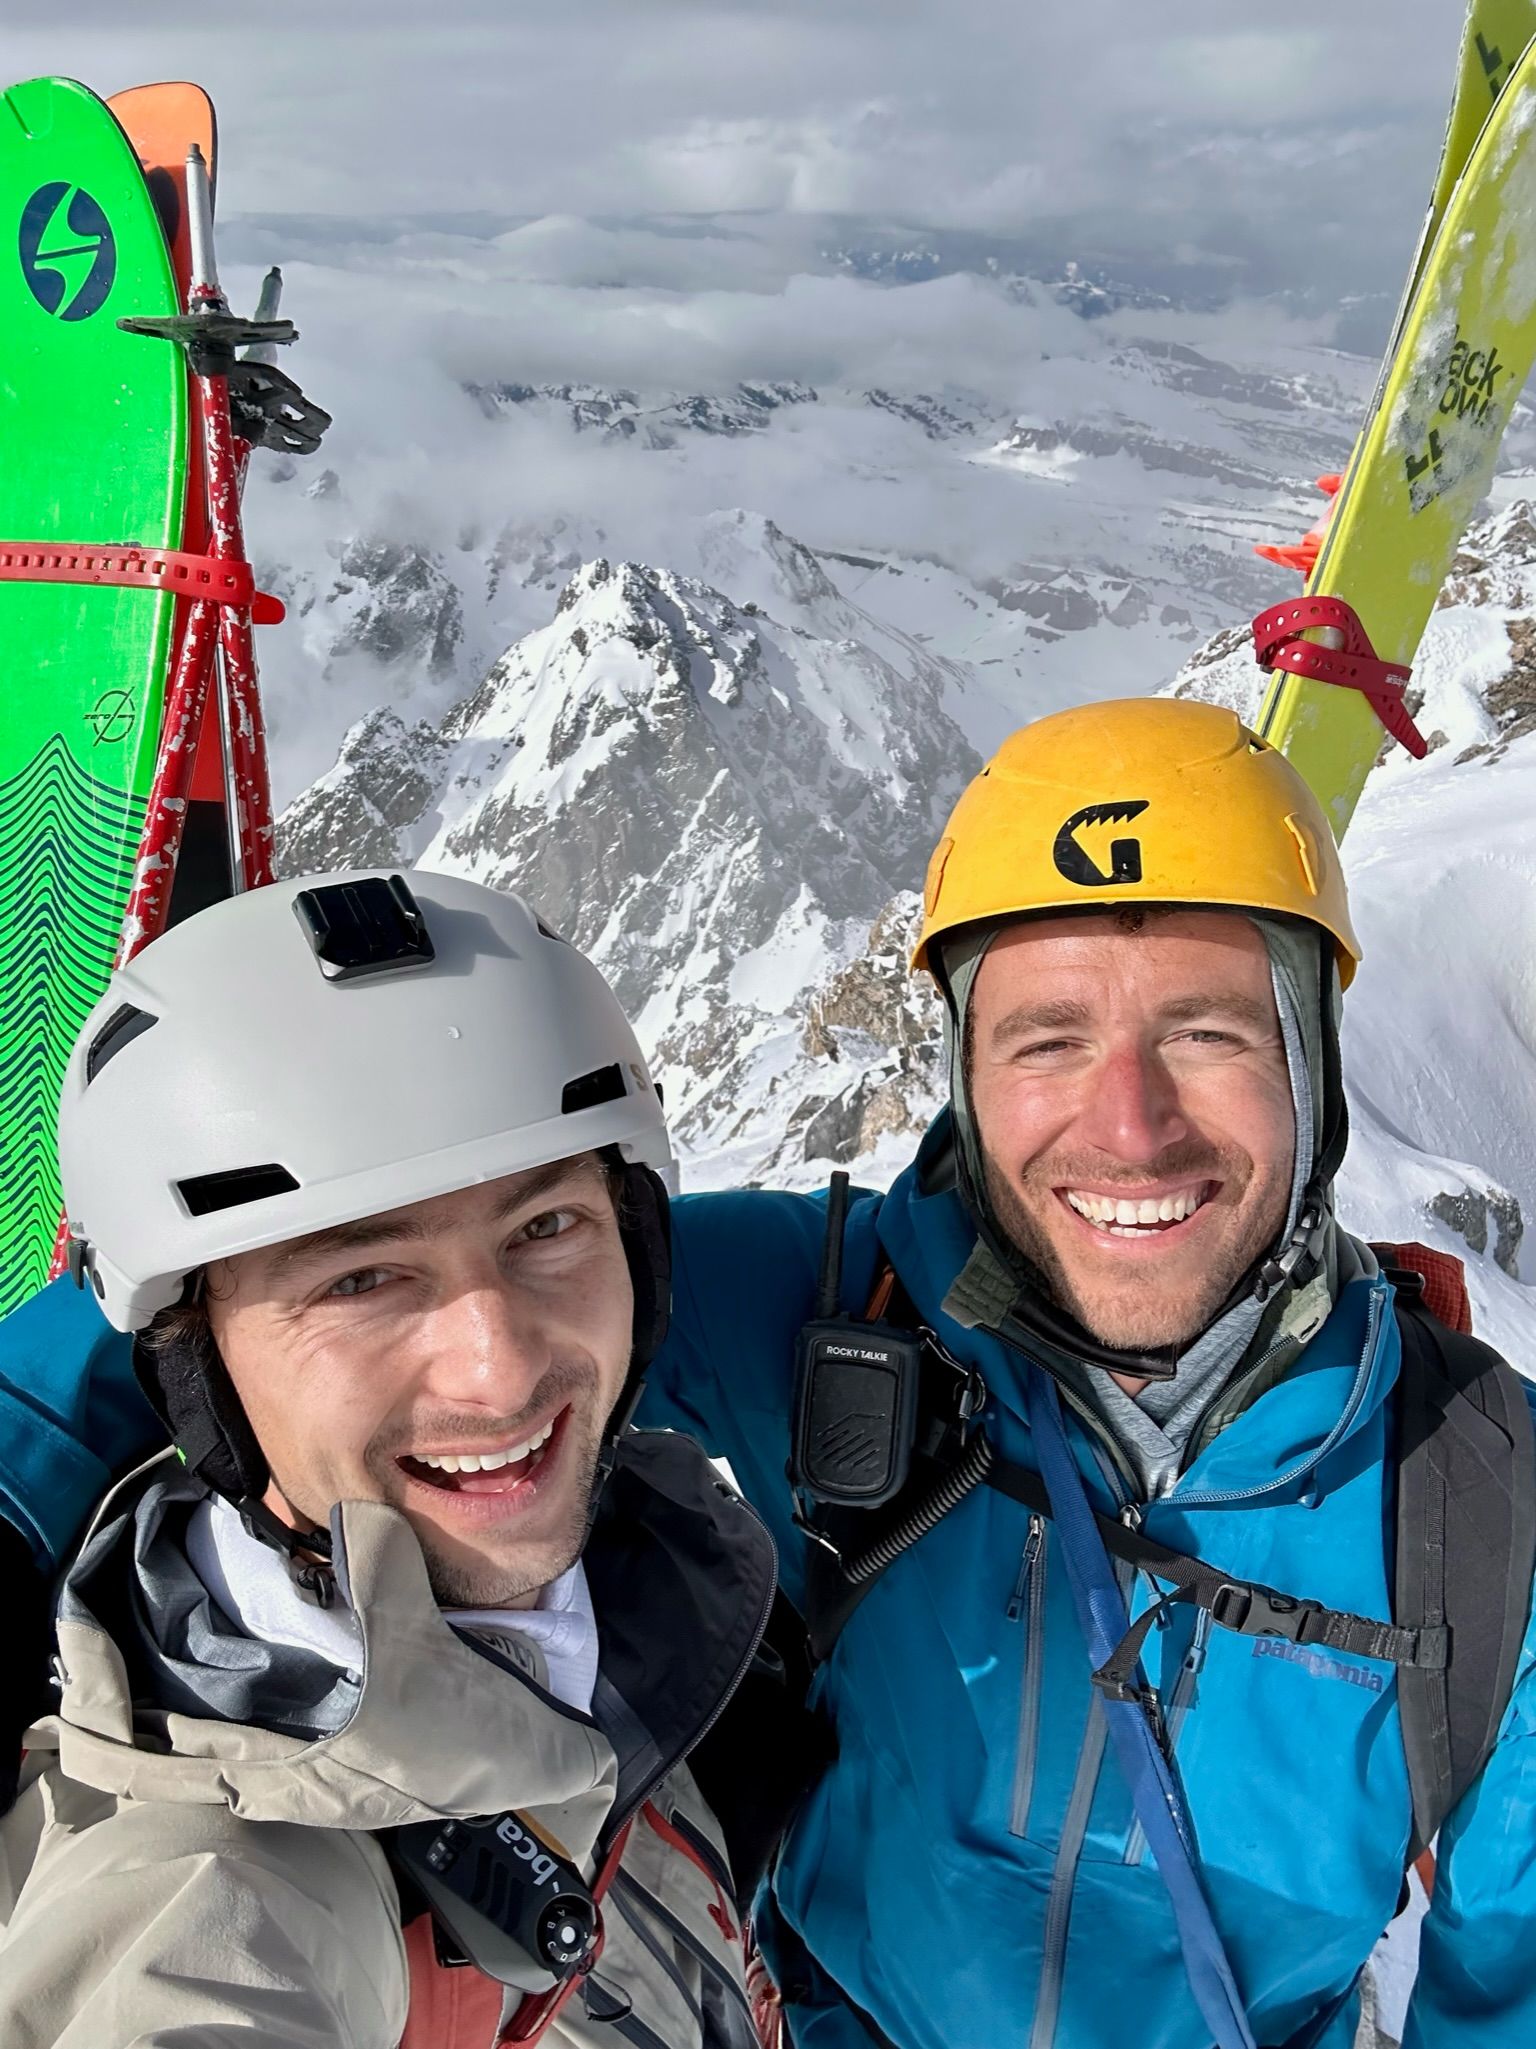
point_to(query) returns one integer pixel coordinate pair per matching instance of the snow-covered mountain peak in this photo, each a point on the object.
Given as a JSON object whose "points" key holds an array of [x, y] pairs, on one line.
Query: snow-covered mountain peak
{"points": [[713, 802], [748, 555], [632, 646]]}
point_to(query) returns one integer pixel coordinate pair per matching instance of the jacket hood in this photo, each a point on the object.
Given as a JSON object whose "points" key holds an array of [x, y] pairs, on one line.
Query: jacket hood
{"points": [[681, 1574]]}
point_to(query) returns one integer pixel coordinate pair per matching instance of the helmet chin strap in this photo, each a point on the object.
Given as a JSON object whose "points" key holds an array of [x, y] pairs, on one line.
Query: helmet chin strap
{"points": [[1037, 1316], [308, 1552]]}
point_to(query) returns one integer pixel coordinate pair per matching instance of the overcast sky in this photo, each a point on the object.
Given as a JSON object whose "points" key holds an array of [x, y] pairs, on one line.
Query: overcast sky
{"points": [[1299, 138], [643, 192]]}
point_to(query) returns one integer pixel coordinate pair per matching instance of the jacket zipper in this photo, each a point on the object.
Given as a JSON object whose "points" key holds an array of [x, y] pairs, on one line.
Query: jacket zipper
{"points": [[1058, 1912], [1196, 1498], [679, 1751], [1029, 1601], [631, 1887], [619, 1817], [1179, 1705], [1074, 1830]]}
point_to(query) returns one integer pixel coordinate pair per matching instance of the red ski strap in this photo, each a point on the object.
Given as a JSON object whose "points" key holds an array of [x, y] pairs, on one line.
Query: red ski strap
{"points": [[204, 577], [1352, 662]]}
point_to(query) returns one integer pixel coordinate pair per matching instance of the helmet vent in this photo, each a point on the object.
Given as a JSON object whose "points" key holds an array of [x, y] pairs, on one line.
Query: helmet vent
{"points": [[203, 1194], [126, 1024], [602, 1085]]}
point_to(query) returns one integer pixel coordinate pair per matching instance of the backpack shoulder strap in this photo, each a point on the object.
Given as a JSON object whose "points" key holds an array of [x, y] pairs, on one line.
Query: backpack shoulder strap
{"points": [[1466, 1548]]}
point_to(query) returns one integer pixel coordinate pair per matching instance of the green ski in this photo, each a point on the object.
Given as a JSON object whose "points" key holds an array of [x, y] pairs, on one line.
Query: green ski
{"points": [[94, 426]]}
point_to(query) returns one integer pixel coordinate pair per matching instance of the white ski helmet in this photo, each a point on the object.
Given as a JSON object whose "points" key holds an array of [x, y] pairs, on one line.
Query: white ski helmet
{"points": [[324, 1050]]}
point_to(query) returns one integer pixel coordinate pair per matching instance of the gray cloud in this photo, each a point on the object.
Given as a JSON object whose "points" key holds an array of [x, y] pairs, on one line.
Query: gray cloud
{"points": [[652, 193], [1301, 144]]}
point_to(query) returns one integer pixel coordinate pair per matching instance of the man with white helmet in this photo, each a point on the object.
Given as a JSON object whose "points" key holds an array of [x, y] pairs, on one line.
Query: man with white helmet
{"points": [[374, 1699]]}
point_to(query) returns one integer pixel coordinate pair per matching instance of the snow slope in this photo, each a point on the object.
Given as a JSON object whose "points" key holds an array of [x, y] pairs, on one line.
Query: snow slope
{"points": [[1440, 1025], [726, 790]]}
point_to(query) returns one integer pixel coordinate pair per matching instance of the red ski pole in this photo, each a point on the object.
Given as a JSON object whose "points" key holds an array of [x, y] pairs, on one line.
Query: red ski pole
{"points": [[244, 732]]}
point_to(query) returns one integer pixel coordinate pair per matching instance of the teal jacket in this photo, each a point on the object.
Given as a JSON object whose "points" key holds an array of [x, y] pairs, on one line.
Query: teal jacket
{"points": [[969, 1870]]}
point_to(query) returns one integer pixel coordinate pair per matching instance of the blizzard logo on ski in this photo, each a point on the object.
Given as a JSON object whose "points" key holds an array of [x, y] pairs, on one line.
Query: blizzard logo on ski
{"points": [[68, 251], [1074, 861], [1318, 1663], [540, 1864]]}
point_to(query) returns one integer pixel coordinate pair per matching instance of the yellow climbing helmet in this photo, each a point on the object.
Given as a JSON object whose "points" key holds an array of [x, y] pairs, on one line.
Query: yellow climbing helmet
{"points": [[1151, 800]]}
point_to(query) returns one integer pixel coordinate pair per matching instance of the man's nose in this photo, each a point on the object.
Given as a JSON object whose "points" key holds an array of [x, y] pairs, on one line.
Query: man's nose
{"points": [[490, 1348], [1133, 1110]]}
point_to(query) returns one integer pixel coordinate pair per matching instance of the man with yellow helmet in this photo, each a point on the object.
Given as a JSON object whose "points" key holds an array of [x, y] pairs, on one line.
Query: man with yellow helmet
{"points": [[1209, 995], [1153, 1622]]}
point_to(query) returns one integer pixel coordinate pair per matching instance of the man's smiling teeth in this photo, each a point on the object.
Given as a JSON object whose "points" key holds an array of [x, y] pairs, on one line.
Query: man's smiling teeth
{"points": [[486, 1461], [1122, 1217]]}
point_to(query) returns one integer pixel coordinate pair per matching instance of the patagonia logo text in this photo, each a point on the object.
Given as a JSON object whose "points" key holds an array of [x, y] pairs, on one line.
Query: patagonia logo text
{"points": [[1319, 1663]]}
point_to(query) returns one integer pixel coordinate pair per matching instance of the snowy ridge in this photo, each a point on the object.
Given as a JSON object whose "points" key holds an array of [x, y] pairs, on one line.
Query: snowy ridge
{"points": [[712, 800], [1075, 545], [725, 786]]}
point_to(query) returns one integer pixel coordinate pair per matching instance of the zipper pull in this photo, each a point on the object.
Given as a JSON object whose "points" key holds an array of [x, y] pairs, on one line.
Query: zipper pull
{"points": [[1032, 1543], [1194, 1657]]}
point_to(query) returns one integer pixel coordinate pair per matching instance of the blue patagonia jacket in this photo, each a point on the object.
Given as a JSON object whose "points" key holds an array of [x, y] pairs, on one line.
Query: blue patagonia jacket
{"points": [[969, 1870]]}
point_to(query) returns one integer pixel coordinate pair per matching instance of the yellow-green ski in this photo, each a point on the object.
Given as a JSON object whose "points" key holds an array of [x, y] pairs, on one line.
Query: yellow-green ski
{"points": [[1428, 453], [1492, 43]]}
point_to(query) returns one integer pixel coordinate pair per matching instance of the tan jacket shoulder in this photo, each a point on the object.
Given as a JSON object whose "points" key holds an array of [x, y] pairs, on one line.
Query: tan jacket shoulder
{"points": [[287, 1936], [180, 1880]]}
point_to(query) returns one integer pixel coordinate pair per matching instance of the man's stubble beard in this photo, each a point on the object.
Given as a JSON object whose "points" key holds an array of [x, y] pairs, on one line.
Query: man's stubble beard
{"points": [[1152, 1325], [485, 1582]]}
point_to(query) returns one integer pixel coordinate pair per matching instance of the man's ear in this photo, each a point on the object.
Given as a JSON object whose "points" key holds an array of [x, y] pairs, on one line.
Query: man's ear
{"points": [[190, 1387]]}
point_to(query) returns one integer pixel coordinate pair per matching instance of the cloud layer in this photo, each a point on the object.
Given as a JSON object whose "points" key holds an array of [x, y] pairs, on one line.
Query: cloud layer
{"points": [[1297, 148]]}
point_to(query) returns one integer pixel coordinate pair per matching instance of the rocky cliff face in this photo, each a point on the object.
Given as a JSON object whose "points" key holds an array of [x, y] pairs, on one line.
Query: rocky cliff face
{"points": [[711, 796], [726, 790]]}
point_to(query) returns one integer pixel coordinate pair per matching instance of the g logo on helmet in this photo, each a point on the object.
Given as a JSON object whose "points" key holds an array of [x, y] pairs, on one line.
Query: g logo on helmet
{"points": [[1076, 864], [68, 251]]}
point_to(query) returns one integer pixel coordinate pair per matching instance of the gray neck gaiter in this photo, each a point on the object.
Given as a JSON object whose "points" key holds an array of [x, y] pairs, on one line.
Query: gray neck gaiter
{"points": [[1152, 1429]]}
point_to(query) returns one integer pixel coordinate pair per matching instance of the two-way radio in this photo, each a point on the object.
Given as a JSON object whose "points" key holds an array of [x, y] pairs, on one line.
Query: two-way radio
{"points": [[505, 1897]]}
